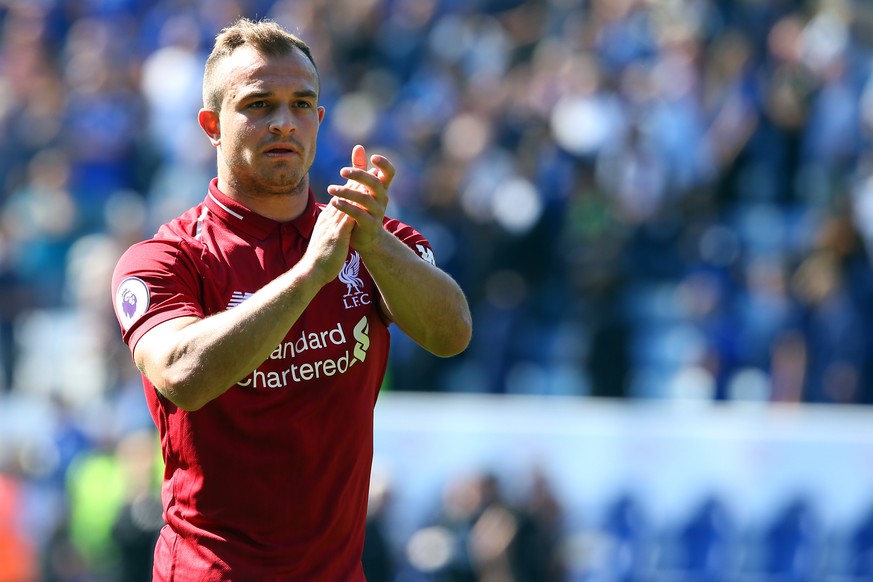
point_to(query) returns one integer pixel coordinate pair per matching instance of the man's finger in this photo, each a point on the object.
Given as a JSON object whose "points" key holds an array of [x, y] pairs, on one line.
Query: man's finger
{"points": [[359, 157], [382, 169]]}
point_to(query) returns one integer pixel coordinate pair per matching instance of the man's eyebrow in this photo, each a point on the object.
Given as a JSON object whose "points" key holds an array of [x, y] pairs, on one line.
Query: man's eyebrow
{"points": [[306, 93], [302, 94]]}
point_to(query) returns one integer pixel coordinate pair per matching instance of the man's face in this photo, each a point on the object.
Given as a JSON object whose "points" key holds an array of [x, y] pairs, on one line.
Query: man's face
{"points": [[268, 123]]}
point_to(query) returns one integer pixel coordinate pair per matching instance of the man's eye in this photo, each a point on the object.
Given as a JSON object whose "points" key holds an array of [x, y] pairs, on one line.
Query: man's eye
{"points": [[258, 105], [304, 104]]}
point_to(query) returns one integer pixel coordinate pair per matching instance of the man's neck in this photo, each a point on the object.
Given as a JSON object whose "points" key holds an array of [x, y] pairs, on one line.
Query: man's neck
{"points": [[278, 206]]}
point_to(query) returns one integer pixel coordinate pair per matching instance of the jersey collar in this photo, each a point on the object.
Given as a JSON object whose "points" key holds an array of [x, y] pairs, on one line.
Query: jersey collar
{"points": [[239, 217]]}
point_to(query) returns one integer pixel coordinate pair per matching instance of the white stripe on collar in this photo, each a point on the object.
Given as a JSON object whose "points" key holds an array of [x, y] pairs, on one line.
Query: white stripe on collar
{"points": [[231, 212]]}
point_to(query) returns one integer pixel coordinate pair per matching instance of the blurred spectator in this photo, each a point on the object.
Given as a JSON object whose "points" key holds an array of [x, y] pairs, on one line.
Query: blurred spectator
{"points": [[378, 559], [859, 562], [629, 554], [138, 522], [536, 550], [115, 511], [794, 544], [17, 556], [705, 547], [41, 219], [480, 536]]}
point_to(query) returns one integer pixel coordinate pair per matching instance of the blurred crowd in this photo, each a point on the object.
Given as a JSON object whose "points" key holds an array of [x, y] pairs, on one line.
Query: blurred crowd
{"points": [[641, 198]]}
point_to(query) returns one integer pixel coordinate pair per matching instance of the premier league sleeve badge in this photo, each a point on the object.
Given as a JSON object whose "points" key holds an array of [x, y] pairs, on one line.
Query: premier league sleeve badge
{"points": [[131, 301]]}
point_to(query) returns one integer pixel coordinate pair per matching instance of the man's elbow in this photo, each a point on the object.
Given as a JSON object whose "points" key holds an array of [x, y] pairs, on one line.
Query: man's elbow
{"points": [[180, 392], [187, 404], [457, 340]]}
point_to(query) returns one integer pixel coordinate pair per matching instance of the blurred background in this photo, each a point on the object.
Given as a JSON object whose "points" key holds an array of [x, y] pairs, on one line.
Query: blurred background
{"points": [[661, 212]]}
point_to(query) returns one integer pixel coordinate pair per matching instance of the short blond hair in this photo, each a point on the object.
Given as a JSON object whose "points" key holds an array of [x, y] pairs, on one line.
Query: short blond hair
{"points": [[265, 36]]}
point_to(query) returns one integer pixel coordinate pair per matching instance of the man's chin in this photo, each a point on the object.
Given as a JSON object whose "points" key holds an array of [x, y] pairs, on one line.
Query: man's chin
{"points": [[284, 185]]}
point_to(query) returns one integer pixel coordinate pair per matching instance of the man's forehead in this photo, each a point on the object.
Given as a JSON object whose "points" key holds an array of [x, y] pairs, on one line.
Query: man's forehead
{"points": [[249, 67]]}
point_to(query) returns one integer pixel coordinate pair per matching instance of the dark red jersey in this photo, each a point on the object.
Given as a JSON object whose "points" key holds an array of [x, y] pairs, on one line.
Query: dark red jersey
{"points": [[269, 481]]}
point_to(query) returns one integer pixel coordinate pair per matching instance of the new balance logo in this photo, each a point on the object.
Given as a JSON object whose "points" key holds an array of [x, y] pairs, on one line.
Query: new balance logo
{"points": [[237, 298]]}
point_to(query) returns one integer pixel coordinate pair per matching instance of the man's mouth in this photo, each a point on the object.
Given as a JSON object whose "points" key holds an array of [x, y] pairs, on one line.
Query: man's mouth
{"points": [[280, 150]]}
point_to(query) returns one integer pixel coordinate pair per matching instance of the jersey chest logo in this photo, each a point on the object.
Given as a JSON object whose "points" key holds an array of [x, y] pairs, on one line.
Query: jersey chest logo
{"points": [[313, 355], [350, 276]]}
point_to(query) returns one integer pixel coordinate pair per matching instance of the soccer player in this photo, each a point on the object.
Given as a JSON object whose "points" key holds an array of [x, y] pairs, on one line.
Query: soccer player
{"points": [[259, 320]]}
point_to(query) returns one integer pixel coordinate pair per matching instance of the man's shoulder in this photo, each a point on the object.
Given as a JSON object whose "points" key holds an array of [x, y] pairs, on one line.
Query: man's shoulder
{"points": [[184, 227], [178, 235]]}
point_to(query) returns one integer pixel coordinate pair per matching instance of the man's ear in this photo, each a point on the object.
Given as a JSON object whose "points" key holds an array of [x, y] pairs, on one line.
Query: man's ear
{"points": [[208, 120]]}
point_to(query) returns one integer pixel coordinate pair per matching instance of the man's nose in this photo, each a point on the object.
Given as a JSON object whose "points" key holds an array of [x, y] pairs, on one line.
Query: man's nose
{"points": [[282, 121]]}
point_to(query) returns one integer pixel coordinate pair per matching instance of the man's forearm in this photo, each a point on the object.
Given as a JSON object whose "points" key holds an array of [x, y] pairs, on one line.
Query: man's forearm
{"points": [[424, 301]]}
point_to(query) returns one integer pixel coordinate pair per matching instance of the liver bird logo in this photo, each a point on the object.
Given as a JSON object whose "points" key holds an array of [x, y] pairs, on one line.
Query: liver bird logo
{"points": [[350, 275]]}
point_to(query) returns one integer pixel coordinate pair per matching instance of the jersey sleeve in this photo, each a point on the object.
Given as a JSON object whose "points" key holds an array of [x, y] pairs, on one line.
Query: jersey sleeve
{"points": [[154, 281], [411, 238]]}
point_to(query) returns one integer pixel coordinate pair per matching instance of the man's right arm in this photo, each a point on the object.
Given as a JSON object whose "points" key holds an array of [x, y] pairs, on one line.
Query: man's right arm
{"points": [[191, 361]]}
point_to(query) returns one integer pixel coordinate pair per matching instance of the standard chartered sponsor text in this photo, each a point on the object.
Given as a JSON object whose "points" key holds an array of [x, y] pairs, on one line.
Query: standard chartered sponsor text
{"points": [[308, 342]]}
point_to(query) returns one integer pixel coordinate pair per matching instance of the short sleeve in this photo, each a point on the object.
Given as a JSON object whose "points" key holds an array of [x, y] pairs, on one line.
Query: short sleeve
{"points": [[154, 281], [411, 238]]}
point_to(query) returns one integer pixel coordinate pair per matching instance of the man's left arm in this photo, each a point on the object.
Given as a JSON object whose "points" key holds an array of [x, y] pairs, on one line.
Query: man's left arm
{"points": [[424, 301]]}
